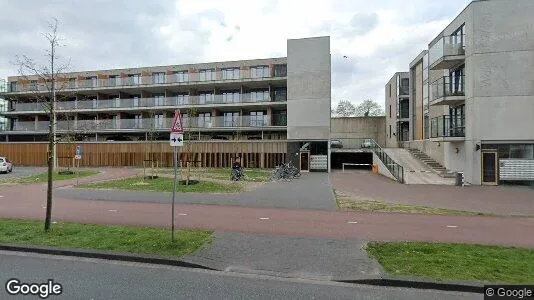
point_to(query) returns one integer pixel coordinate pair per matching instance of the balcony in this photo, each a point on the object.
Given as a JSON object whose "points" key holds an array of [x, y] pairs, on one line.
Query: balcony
{"points": [[447, 52], [179, 78], [147, 103], [160, 124], [445, 128], [448, 91]]}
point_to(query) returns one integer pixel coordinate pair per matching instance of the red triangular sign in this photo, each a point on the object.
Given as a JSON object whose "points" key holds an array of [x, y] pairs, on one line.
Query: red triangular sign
{"points": [[177, 123]]}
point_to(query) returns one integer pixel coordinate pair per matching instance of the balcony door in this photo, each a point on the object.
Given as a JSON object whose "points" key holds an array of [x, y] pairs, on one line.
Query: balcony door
{"points": [[490, 171]]}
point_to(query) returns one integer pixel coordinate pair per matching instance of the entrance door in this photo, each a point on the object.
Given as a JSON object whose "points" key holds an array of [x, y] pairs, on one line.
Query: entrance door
{"points": [[304, 161], [489, 168]]}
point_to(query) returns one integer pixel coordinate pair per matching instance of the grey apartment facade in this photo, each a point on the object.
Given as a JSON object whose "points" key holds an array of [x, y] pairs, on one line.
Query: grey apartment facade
{"points": [[472, 94], [397, 109], [285, 98]]}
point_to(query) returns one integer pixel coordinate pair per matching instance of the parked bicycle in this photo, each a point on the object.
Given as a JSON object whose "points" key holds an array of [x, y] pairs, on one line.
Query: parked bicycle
{"points": [[286, 172], [237, 171]]}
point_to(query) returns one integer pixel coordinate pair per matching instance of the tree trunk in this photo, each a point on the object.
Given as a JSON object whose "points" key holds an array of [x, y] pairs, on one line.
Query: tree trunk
{"points": [[51, 159]]}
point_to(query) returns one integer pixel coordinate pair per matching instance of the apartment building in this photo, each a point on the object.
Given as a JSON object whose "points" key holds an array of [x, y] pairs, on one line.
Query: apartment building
{"points": [[397, 109], [472, 94], [285, 98]]}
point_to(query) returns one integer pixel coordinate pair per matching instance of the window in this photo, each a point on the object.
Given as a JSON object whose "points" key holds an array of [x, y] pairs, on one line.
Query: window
{"points": [[390, 110], [259, 96], [90, 82], [230, 97], [182, 76], [205, 98], [232, 73], [257, 119], [390, 131], [135, 101], [138, 121], [259, 72], [280, 94], [231, 119], [158, 121], [204, 120], [159, 100], [206, 75], [134, 79], [158, 78], [280, 70], [13, 86], [72, 83], [33, 85]]}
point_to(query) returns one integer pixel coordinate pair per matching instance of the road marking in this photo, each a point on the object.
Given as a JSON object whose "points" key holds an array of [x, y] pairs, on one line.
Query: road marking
{"points": [[112, 210], [264, 218], [1, 196], [352, 222], [452, 226], [182, 214]]}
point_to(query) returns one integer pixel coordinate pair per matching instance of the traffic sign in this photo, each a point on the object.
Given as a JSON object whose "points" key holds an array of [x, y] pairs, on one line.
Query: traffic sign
{"points": [[177, 123], [177, 139]]}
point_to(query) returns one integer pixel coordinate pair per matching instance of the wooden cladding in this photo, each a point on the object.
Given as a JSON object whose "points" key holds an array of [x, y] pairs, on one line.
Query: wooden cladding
{"points": [[253, 154]]}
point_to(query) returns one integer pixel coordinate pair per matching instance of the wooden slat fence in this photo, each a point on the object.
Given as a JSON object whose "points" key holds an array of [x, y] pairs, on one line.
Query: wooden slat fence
{"points": [[254, 154]]}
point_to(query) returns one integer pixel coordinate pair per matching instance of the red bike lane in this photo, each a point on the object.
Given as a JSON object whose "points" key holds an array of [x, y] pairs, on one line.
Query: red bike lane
{"points": [[27, 202]]}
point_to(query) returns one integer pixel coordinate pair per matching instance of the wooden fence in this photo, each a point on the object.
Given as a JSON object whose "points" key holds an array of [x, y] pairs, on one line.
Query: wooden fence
{"points": [[253, 154]]}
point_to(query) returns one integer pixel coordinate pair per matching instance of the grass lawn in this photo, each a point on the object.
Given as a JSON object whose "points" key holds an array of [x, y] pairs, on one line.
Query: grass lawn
{"points": [[100, 237], [43, 177], [346, 203], [456, 262], [163, 184], [257, 175]]}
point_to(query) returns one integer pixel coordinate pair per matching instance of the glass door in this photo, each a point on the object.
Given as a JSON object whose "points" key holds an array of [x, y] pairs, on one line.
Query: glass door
{"points": [[490, 170]]}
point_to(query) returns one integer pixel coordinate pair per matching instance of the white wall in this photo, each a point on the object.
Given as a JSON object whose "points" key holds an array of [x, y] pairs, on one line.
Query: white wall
{"points": [[308, 88]]}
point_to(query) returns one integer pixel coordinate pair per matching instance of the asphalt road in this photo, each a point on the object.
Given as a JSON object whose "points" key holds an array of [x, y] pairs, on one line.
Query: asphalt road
{"points": [[99, 279], [21, 172]]}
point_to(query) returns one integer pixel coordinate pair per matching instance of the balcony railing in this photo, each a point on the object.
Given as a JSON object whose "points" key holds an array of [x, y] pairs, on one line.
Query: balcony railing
{"points": [[452, 45], [175, 101], [143, 80], [153, 124], [448, 87], [447, 126]]}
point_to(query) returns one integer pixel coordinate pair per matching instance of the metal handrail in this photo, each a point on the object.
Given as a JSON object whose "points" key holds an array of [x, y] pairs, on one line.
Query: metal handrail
{"points": [[396, 170]]}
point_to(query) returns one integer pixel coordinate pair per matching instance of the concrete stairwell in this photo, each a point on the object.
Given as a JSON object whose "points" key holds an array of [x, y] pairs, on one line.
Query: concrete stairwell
{"points": [[431, 163]]}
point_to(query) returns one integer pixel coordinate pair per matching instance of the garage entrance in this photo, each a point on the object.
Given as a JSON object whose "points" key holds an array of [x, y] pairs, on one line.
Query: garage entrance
{"points": [[338, 158]]}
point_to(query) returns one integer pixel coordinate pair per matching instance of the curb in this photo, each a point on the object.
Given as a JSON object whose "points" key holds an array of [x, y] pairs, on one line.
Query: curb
{"points": [[148, 259], [421, 284]]}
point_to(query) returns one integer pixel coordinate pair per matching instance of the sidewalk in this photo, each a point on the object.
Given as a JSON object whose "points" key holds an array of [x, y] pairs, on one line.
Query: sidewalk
{"points": [[296, 257]]}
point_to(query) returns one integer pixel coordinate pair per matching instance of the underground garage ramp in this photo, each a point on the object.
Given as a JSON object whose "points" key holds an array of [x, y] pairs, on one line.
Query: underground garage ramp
{"points": [[338, 158]]}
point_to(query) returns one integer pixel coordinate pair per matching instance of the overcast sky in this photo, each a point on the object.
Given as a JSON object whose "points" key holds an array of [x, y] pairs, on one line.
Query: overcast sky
{"points": [[379, 37]]}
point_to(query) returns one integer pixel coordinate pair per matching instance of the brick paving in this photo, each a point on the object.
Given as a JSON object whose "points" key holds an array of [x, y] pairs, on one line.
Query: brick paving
{"points": [[499, 200]]}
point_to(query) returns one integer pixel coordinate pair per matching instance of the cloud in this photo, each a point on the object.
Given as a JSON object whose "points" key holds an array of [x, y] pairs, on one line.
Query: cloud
{"points": [[379, 40]]}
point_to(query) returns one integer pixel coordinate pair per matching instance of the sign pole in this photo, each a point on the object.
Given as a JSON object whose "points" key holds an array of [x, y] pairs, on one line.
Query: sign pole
{"points": [[176, 140], [175, 163]]}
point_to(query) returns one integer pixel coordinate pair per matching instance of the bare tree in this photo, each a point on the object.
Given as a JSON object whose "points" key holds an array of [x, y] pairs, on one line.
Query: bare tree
{"points": [[45, 92], [345, 109], [369, 108]]}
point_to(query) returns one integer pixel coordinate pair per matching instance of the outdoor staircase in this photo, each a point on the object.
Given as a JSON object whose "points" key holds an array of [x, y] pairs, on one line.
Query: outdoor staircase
{"points": [[431, 163]]}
